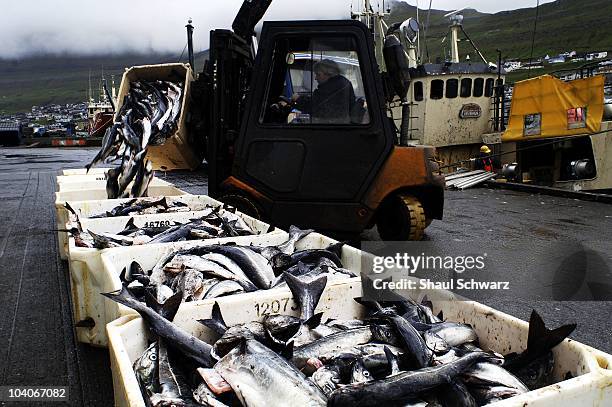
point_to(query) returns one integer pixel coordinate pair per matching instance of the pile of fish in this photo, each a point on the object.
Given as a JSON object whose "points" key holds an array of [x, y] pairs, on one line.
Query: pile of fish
{"points": [[211, 271], [147, 206], [148, 116], [214, 224], [400, 354]]}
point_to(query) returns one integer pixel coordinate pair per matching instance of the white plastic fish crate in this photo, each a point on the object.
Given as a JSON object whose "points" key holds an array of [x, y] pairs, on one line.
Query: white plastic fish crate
{"points": [[179, 151], [83, 171], [79, 182], [88, 277], [85, 209], [61, 214], [591, 385], [115, 260]]}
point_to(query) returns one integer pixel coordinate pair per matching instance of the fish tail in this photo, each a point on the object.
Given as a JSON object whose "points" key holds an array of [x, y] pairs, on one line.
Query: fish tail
{"points": [[216, 322], [124, 297], [541, 338], [302, 289]]}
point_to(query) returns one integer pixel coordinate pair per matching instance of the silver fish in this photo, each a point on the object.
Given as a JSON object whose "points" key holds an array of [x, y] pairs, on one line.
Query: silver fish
{"points": [[261, 378]]}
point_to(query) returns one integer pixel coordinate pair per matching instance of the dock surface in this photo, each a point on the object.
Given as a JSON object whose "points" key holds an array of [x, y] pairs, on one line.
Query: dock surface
{"points": [[37, 341]]}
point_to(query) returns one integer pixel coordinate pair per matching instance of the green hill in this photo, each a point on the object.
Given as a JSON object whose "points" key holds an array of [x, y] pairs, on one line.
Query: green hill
{"points": [[64, 79], [563, 25]]}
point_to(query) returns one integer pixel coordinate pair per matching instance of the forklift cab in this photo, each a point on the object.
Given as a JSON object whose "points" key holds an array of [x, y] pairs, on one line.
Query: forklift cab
{"points": [[317, 162]]}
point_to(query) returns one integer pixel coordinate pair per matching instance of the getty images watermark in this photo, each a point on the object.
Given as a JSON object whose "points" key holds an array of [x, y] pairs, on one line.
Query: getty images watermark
{"points": [[409, 265], [556, 271]]}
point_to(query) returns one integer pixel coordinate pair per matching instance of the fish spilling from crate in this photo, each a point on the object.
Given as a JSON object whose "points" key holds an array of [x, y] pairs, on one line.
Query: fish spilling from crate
{"points": [[211, 271], [400, 354], [216, 224], [149, 116]]}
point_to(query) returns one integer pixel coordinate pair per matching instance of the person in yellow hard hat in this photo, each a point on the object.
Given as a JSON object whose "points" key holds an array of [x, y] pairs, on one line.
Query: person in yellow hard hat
{"points": [[484, 161]]}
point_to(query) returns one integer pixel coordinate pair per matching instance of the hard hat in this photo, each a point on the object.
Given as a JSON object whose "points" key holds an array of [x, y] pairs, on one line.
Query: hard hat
{"points": [[485, 149]]}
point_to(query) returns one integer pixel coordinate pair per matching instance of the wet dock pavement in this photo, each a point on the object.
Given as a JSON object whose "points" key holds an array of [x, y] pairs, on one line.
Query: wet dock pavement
{"points": [[37, 341]]}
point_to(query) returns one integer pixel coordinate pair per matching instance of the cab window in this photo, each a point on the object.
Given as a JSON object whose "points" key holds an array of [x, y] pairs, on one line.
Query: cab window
{"points": [[466, 88], [437, 89], [489, 88], [316, 80], [452, 86], [478, 87], [418, 91]]}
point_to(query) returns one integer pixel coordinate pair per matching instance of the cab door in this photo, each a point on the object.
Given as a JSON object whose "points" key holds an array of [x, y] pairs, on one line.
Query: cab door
{"points": [[332, 139]]}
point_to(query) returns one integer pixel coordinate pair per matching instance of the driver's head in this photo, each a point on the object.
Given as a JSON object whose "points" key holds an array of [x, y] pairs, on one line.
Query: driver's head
{"points": [[325, 69]]}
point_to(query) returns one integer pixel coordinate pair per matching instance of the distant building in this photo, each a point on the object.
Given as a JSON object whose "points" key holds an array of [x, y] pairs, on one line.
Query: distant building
{"points": [[511, 65], [559, 59], [596, 55]]}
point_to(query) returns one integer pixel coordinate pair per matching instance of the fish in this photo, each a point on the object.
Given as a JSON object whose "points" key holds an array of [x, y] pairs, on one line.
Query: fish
{"points": [[456, 394], [490, 374], [194, 348], [283, 261], [262, 378], [540, 341], [306, 293], [359, 373], [411, 338], [205, 397], [216, 322], [169, 389], [452, 333], [145, 368], [333, 343], [226, 287], [404, 385], [295, 235], [327, 378], [188, 283]]}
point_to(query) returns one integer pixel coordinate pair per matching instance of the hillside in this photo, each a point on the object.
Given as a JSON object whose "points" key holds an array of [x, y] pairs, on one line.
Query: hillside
{"points": [[563, 25], [64, 79]]}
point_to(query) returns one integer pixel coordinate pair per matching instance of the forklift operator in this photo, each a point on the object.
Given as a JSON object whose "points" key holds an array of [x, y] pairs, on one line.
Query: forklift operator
{"points": [[333, 99]]}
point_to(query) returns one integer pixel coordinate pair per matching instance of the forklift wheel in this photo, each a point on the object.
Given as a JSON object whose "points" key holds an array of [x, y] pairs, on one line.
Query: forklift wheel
{"points": [[401, 217], [242, 204]]}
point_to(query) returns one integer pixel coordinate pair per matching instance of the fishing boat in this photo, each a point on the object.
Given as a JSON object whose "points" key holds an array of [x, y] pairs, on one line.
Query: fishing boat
{"points": [[452, 103], [100, 112]]}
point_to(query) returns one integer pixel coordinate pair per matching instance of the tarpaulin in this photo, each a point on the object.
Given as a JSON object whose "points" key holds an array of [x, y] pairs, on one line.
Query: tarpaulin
{"points": [[549, 107]]}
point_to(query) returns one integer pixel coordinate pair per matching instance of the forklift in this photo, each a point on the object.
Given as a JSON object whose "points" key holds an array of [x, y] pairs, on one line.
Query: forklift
{"points": [[287, 163]]}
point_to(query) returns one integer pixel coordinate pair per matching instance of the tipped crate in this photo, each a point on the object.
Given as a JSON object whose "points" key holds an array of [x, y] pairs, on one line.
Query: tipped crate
{"points": [[591, 384], [182, 151], [114, 260], [61, 198]]}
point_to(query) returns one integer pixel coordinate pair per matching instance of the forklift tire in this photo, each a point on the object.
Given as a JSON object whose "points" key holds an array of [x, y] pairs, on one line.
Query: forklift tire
{"points": [[243, 204], [400, 218]]}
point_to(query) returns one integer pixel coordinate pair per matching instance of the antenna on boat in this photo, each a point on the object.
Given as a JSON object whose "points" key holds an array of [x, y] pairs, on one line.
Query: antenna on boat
{"points": [[456, 22]]}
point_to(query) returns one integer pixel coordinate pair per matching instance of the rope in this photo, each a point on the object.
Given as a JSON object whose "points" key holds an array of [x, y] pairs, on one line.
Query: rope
{"points": [[535, 26], [181, 57], [529, 147]]}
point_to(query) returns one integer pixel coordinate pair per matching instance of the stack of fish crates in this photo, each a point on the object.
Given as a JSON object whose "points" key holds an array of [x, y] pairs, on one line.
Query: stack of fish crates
{"points": [[183, 150], [91, 274], [582, 375]]}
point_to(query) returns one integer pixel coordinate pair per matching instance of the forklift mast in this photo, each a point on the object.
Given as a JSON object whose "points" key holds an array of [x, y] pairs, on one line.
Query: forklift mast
{"points": [[223, 86]]}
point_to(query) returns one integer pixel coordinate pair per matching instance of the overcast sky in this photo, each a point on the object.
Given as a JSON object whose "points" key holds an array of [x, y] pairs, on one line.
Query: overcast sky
{"points": [[485, 6], [102, 26]]}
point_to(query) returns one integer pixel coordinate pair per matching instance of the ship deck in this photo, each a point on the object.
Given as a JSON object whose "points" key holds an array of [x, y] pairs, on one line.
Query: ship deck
{"points": [[37, 339]]}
